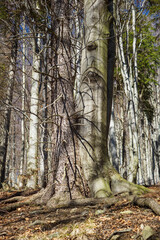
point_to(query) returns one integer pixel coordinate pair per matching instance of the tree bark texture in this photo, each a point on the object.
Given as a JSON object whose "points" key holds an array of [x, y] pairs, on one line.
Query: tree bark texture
{"points": [[64, 174], [93, 101], [32, 155], [11, 81], [130, 75]]}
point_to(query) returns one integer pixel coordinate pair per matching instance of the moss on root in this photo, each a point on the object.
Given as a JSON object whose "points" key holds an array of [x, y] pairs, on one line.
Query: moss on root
{"points": [[114, 185]]}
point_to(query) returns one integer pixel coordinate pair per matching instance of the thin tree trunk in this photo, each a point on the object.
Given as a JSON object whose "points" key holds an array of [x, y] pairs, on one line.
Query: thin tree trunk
{"points": [[130, 88], [11, 79], [112, 142], [45, 116], [33, 128], [22, 168]]}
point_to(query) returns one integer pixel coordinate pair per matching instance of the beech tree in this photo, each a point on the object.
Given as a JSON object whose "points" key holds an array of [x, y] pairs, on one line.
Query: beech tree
{"points": [[32, 154], [96, 92]]}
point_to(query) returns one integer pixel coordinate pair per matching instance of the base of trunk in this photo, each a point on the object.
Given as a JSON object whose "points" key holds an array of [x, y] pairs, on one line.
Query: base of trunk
{"points": [[101, 188]]}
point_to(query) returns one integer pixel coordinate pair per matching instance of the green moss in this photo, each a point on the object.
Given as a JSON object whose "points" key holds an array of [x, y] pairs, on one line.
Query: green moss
{"points": [[141, 189], [101, 188]]}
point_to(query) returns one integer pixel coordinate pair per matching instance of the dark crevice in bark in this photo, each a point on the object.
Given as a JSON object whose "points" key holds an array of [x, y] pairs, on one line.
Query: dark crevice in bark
{"points": [[111, 62]]}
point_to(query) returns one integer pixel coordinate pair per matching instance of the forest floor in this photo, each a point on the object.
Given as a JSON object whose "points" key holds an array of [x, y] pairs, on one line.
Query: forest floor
{"points": [[121, 221]]}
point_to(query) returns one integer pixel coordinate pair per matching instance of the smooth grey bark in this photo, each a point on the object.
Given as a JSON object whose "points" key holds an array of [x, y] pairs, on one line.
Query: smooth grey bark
{"points": [[95, 103], [32, 154], [112, 142], [93, 99], [22, 168], [130, 77], [155, 133], [12, 179]]}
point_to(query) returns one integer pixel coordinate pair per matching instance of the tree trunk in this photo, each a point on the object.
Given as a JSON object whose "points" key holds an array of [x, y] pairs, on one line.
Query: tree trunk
{"points": [[93, 99], [64, 174], [129, 75], [11, 80], [112, 142], [33, 128], [22, 168], [45, 116], [102, 178]]}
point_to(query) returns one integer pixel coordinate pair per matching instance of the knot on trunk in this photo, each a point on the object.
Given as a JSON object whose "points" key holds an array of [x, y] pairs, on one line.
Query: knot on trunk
{"points": [[91, 46]]}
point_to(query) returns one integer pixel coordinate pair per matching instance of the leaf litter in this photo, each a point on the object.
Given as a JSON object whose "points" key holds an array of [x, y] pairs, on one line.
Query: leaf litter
{"points": [[81, 223]]}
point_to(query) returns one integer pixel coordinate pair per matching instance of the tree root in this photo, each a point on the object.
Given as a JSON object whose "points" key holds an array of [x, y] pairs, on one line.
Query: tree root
{"points": [[147, 202], [13, 199], [107, 202], [22, 202], [7, 195]]}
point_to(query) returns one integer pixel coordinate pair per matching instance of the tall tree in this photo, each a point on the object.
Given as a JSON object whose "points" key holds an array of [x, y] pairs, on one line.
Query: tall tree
{"points": [[9, 98], [102, 178], [32, 154]]}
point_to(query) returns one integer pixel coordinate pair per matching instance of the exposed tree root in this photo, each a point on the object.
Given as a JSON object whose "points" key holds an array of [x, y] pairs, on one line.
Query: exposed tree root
{"points": [[86, 201], [14, 199], [22, 201], [119, 185], [121, 189], [10, 195], [111, 184], [67, 204], [107, 202], [12, 207], [147, 202]]}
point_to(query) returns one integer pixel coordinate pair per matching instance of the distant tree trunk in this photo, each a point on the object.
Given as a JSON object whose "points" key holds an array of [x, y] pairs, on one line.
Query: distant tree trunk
{"points": [[156, 132], [130, 75], [133, 105], [45, 130], [32, 156], [11, 80], [112, 142], [157, 172], [22, 168], [77, 50], [12, 154]]}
